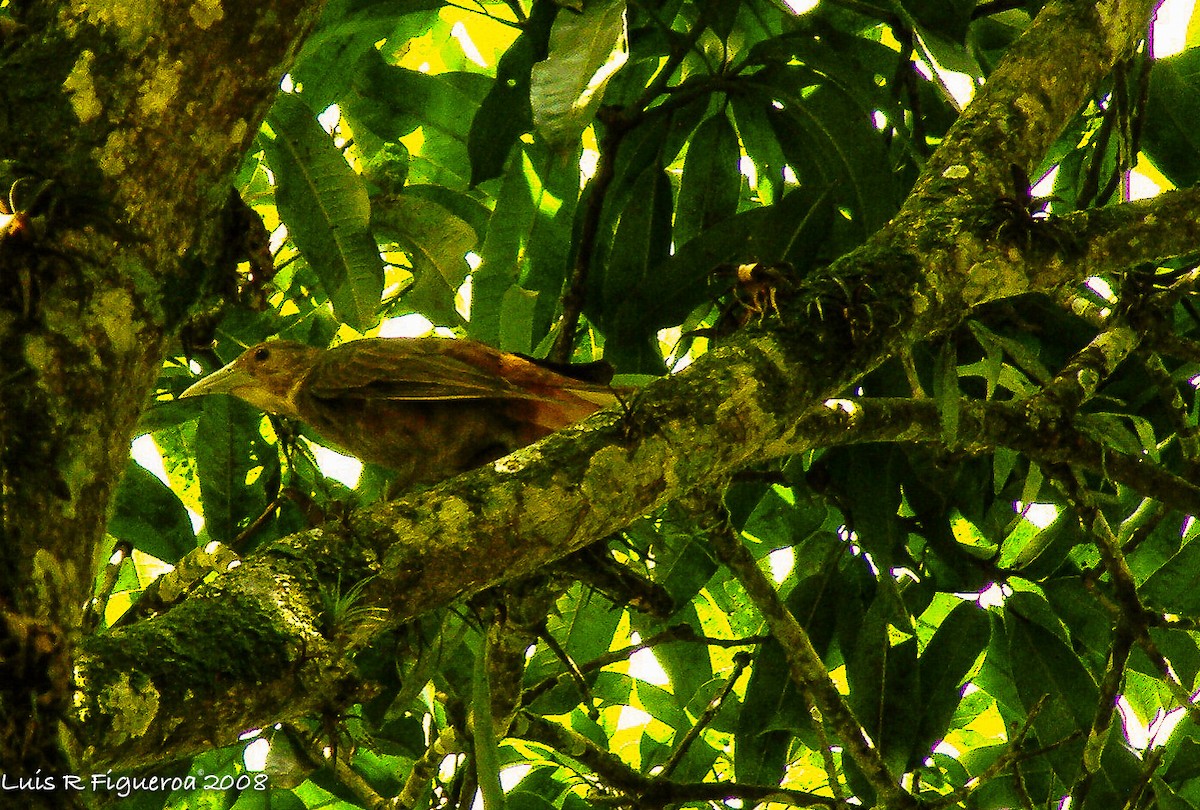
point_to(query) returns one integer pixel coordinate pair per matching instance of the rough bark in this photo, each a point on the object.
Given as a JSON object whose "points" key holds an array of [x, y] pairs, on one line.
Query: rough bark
{"points": [[123, 124]]}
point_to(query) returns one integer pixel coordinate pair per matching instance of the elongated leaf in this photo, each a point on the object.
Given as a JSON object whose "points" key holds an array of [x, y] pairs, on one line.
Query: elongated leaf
{"points": [[1045, 667], [149, 515], [349, 29], [527, 243], [327, 210], [568, 86], [774, 709], [961, 637], [228, 447], [760, 142], [947, 18], [946, 393], [642, 241], [1171, 134], [437, 242], [1177, 583], [827, 139], [884, 674], [506, 112], [711, 183]]}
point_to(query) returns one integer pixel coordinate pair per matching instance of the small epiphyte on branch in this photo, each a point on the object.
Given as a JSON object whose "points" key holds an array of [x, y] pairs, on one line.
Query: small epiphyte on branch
{"points": [[749, 293]]}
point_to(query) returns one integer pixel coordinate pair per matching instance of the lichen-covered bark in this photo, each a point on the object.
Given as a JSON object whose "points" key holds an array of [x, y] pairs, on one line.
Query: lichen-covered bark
{"points": [[122, 123]]}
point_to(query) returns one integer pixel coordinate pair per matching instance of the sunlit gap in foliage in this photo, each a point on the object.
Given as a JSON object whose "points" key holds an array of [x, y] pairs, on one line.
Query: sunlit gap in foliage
{"points": [[1143, 737], [462, 297], [329, 120], [850, 537], [1039, 514], [1145, 181], [589, 158], [469, 49], [344, 469], [511, 776], [677, 352], [1171, 27], [781, 560], [958, 87], [1099, 300], [146, 453], [746, 167], [644, 666], [991, 596], [1043, 189], [802, 6], [254, 755], [846, 406]]}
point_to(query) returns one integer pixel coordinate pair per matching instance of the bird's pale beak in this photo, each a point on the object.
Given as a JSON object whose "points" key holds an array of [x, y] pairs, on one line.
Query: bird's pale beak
{"points": [[225, 380]]}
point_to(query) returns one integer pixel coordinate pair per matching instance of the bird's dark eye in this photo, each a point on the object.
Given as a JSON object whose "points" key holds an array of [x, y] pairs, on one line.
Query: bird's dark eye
{"points": [[262, 354]]}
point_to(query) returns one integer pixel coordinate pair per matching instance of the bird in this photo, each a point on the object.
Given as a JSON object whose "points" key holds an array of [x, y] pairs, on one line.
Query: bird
{"points": [[426, 408]]}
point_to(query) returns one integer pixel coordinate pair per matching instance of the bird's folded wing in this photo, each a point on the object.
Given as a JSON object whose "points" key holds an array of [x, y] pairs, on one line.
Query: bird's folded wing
{"points": [[430, 369]]}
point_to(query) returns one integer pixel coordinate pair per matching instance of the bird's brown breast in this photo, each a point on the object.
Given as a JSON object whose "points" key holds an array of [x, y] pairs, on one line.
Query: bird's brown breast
{"points": [[423, 441]]}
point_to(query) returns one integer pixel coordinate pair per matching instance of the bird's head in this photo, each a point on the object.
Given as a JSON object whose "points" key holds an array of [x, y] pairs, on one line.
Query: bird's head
{"points": [[267, 376]]}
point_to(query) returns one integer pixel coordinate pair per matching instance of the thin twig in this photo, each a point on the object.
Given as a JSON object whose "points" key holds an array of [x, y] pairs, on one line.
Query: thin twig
{"points": [[741, 660]]}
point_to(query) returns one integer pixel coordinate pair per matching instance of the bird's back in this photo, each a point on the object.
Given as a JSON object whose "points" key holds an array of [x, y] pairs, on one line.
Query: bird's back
{"points": [[430, 408]]}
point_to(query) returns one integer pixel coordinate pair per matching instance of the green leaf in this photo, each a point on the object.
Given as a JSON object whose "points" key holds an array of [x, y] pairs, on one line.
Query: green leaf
{"points": [[711, 183], [1171, 125], [720, 15], [774, 709], [528, 241], [349, 29], [1042, 551], [392, 102], [1045, 667], [760, 142], [328, 213], [1176, 585], [1023, 356], [228, 449], [149, 515], [771, 709], [568, 86], [641, 242], [867, 476], [506, 112], [524, 800], [946, 393], [960, 638], [1166, 798], [946, 18], [437, 243], [884, 674], [829, 141]]}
